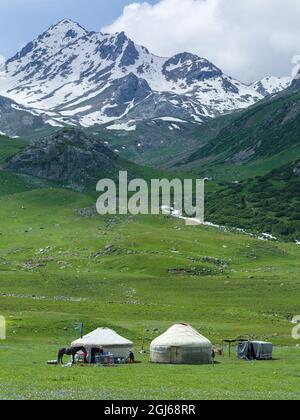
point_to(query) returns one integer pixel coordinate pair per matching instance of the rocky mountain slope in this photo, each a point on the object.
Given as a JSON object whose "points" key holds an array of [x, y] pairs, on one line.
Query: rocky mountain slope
{"points": [[160, 142], [90, 78], [17, 120], [68, 155], [271, 85], [268, 133], [295, 85]]}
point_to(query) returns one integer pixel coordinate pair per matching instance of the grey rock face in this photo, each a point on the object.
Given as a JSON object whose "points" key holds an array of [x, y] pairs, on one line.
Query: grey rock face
{"points": [[131, 88], [191, 68], [261, 89], [130, 55], [123, 95], [296, 82], [67, 155], [16, 120]]}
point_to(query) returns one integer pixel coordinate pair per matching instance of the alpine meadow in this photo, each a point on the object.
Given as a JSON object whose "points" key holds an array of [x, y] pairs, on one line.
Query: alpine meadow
{"points": [[127, 305]]}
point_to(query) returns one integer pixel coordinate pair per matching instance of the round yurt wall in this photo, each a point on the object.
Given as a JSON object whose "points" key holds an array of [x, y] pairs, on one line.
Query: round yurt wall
{"points": [[181, 344]]}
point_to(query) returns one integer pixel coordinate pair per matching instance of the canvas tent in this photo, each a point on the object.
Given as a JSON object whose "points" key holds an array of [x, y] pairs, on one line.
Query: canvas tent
{"points": [[108, 339], [255, 350], [181, 344]]}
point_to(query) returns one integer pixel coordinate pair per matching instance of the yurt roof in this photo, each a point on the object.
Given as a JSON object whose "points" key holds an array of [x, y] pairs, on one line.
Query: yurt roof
{"points": [[102, 337], [181, 335]]}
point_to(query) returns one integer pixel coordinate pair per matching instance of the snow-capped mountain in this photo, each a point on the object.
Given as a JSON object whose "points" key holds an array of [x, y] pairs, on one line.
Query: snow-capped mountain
{"points": [[271, 85], [88, 78], [2, 64]]}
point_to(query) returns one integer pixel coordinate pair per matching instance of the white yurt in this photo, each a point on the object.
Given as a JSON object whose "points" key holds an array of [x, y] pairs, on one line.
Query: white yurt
{"points": [[108, 339], [181, 344]]}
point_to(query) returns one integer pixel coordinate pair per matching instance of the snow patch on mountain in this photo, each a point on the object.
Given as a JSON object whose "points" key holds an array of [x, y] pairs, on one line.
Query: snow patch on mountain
{"points": [[2, 65], [129, 126], [171, 119], [88, 78], [271, 85]]}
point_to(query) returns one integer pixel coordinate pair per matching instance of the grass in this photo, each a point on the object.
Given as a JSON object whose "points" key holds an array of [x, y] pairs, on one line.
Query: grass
{"points": [[10, 147], [231, 379], [265, 204], [58, 268], [254, 142], [226, 172]]}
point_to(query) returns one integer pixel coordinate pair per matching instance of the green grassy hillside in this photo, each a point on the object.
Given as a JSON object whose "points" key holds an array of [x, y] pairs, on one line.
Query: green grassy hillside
{"points": [[10, 147], [23, 177], [61, 264], [58, 267], [268, 204], [261, 139], [9, 182]]}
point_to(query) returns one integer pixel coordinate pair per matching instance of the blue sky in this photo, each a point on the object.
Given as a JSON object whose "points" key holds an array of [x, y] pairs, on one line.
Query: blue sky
{"points": [[22, 20]]}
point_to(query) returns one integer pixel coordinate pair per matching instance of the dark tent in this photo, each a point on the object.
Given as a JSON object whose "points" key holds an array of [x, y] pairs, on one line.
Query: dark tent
{"points": [[255, 350]]}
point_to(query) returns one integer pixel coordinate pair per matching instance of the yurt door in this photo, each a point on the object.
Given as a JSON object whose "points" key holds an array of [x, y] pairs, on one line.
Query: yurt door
{"points": [[175, 354]]}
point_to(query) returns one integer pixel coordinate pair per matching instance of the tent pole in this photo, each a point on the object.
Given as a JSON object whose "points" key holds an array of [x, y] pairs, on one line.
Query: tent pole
{"points": [[143, 341]]}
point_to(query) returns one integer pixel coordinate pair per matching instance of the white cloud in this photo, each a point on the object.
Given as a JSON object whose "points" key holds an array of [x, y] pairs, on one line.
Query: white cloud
{"points": [[248, 39]]}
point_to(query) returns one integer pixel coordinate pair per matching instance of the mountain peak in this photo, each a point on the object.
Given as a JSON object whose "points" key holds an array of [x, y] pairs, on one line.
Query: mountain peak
{"points": [[190, 67], [50, 42], [271, 85], [63, 23], [65, 28]]}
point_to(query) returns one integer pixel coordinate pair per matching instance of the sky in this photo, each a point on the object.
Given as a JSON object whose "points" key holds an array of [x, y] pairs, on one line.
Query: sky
{"points": [[248, 39], [22, 20]]}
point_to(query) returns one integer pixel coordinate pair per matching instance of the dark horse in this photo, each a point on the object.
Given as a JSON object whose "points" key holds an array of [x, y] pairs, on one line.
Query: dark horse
{"points": [[70, 352]]}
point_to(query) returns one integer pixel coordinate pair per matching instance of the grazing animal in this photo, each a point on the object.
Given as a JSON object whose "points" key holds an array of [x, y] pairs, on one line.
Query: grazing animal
{"points": [[70, 352]]}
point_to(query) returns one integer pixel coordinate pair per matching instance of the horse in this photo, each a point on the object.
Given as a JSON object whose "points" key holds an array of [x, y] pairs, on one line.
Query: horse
{"points": [[70, 352]]}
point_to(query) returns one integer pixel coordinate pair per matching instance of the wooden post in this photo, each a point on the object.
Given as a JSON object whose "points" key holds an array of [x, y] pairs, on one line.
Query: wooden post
{"points": [[143, 341]]}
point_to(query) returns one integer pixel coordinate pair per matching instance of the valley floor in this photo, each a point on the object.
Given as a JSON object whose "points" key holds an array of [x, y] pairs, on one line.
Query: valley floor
{"points": [[25, 376], [59, 266]]}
